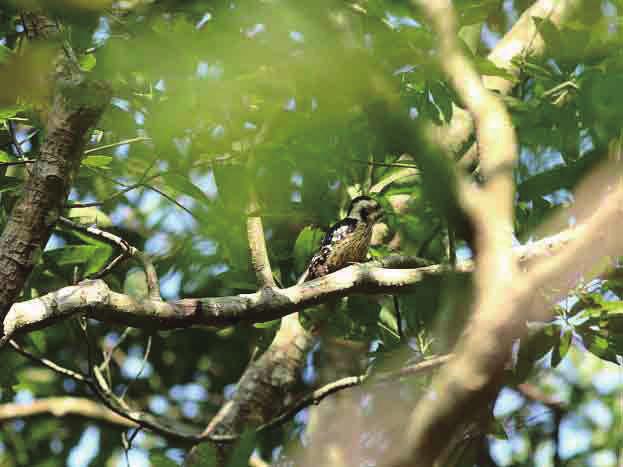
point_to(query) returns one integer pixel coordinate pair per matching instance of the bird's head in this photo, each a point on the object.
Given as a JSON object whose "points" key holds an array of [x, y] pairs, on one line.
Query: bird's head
{"points": [[366, 209]]}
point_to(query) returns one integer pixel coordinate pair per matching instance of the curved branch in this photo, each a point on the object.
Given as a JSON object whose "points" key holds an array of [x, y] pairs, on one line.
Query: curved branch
{"points": [[153, 285], [96, 300]]}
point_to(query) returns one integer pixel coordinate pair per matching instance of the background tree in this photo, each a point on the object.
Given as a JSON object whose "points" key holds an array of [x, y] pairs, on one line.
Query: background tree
{"points": [[168, 168]]}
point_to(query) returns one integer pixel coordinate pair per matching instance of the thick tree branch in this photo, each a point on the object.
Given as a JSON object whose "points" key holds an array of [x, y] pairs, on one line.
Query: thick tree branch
{"points": [[491, 208], [76, 106], [470, 381], [97, 301]]}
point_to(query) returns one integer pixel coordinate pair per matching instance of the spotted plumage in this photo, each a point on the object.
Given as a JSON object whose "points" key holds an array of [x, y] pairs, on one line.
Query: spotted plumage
{"points": [[346, 241]]}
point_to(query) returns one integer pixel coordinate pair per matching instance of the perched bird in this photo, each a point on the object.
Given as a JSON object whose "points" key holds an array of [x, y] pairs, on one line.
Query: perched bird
{"points": [[347, 240]]}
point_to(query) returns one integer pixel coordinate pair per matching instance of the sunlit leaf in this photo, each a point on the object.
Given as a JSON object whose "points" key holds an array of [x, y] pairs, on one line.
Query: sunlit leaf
{"points": [[88, 62], [98, 162], [243, 450], [70, 255], [90, 215]]}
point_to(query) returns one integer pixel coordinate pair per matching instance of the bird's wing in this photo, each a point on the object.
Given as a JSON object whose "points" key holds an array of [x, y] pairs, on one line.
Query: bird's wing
{"points": [[317, 265]]}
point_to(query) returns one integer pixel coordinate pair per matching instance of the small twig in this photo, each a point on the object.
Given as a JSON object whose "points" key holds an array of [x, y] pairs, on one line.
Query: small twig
{"points": [[20, 162], [13, 135], [387, 164], [396, 175], [28, 137], [141, 369], [108, 268], [451, 245], [150, 271], [315, 397], [106, 200], [398, 316], [48, 363], [561, 87], [118, 143], [105, 365], [103, 393], [173, 200]]}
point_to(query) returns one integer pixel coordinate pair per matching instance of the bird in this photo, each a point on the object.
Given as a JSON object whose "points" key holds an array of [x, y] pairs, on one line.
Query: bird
{"points": [[347, 240]]}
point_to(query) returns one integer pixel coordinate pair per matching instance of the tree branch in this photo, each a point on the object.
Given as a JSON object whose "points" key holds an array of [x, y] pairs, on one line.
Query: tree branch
{"points": [[257, 248], [95, 299], [69, 119], [153, 285]]}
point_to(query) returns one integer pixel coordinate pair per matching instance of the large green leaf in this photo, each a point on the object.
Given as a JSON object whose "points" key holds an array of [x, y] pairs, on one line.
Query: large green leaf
{"points": [[244, 448], [182, 185], [90, 257], [98, 162]]}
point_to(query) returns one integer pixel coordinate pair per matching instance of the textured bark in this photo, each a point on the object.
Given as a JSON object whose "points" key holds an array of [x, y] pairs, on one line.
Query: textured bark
{"points": [[38, 26], [75, 107], [265, 389]]}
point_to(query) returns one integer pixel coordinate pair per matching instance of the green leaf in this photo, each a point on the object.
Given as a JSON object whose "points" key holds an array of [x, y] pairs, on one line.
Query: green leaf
{"points": [[88, 62], [135, 284], [268, 324], [475, 11], [599, 346], [159, 459], [10, 184], [205, 455], [8, 379], [534, 348], [10, 111], [487, 67], [97, 162], [242, 451], [38, 339], [443, 99], [4, 157], [70, 255], [90, 215], [98, 259], [387, 319], [4, 53], [550, 33], [183, 185], [561, 349]]}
